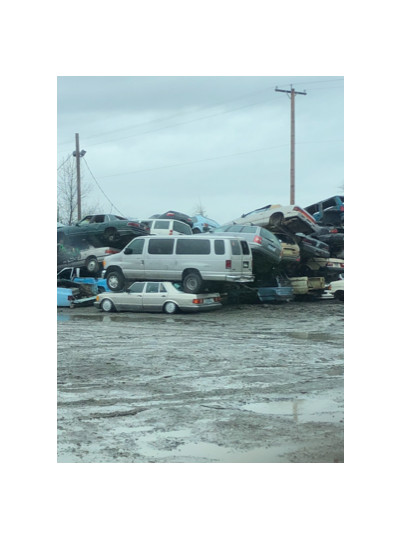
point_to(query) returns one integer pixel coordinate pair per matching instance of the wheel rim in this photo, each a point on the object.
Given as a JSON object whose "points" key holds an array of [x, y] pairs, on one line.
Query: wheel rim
{"points": [[170, 308], [107, 305], [92, 265], [113, 281]]}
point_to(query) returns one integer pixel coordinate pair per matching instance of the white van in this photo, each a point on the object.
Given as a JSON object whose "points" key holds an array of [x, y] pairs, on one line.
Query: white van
{"points": [[166, 227], [194, 261]]}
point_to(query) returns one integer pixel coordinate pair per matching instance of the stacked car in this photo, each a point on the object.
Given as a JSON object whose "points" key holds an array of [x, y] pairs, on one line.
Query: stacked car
{"points": [[292, 253]]}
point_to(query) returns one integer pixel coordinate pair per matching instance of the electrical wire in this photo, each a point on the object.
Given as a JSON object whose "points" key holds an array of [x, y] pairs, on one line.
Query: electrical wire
{"points": [[97, 183], [63, 163]]}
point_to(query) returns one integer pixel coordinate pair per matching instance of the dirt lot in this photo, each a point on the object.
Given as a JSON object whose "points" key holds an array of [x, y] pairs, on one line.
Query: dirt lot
{"points": [[249, 383]]}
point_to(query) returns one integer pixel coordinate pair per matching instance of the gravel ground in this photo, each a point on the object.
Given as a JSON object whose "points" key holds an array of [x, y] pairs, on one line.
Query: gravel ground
{"points": [[249, 383]]}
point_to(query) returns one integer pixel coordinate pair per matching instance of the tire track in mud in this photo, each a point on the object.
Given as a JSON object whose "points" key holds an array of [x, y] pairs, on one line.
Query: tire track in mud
{"points": [[195, 372]]}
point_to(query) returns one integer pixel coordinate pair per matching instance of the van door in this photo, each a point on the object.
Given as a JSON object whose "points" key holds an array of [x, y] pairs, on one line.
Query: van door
{"points": [[160, 262], [132, 260]]}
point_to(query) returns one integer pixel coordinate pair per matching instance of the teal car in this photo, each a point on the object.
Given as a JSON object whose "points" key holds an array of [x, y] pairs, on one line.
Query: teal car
{"points": [[102, 230]]}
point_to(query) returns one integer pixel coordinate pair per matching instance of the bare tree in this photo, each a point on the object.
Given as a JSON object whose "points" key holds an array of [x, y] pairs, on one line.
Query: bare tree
{"points": [[67, 199], [200, 210]]}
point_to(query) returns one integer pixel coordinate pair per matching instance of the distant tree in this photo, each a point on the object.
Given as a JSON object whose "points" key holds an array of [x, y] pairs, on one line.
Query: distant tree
{"points": [[200, 210], [67, 199]]}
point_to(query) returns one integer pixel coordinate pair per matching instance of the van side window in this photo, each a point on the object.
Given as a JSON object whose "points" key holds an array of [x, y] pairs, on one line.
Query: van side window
{"points": [[161, 246], [219, 247], [182, 227], [161, 225], [136, 246], [192, 247], [235, 247], [245, 247]]}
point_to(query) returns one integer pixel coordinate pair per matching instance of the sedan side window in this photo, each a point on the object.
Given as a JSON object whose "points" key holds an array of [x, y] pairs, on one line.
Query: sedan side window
{"points": [[136, 287], [152, 288]]}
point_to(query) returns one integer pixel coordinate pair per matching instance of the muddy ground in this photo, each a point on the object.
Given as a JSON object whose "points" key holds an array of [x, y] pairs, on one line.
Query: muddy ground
{"points": [[249, 383]]}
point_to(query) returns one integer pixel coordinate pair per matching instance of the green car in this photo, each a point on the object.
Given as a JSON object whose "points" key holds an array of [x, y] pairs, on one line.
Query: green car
{"points": [[102, 230]]}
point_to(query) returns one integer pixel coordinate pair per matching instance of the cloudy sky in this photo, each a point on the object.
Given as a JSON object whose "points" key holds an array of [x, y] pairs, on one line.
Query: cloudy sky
{"points": [[182, 142]]}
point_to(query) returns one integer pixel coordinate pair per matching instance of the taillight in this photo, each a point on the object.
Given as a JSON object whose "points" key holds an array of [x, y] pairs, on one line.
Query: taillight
{"points": [[257, 239], [342, 265], [170, 233], [329, 264], [133, 224], [228, 264], [217, 299], [198, 301], [333, 231], [70, 298], [111, 252], [306, 214], [341, 208]]}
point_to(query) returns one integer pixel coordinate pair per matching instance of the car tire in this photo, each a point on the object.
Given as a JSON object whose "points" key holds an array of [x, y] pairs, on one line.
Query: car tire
{"points": [[115, 281], [110, 234], [339, 295], [192, 282], [170, 307], [107, 306], [92, 264]]}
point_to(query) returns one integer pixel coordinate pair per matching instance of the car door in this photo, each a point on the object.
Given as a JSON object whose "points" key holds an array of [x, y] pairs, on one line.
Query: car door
{"points": [[132, 300], [154, 297]]}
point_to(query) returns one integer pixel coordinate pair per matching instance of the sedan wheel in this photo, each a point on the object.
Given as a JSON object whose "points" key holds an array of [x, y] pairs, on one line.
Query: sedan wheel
{"points": [[92, 265], [107, 305], [170, 307]]}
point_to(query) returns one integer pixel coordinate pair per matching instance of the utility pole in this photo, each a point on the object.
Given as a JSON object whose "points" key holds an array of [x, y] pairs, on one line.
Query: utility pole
{"points": [[78, 156], [292, 93]]}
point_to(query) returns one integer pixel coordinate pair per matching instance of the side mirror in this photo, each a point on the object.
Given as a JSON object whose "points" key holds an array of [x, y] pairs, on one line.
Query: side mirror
{"points": [[128, 251]]}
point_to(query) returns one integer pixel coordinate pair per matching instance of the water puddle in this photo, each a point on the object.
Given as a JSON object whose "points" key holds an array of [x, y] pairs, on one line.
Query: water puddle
{"points": [[301, 410]]}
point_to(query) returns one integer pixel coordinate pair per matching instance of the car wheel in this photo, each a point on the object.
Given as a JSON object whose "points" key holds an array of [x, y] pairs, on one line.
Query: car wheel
{"points": [[170, 307], [92, 264], [107, 305], [110, 234], [339, 295], [115, 281], [192, 283]]}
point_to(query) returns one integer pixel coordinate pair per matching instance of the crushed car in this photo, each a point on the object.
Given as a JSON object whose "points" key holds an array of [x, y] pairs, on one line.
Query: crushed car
{"points": [[202, 224], [83, 255], [102, 230], [329, 211], [274, 216]]}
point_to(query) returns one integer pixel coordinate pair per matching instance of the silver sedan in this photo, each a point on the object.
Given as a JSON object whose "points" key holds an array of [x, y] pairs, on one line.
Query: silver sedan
{"points": [[157, 297]]}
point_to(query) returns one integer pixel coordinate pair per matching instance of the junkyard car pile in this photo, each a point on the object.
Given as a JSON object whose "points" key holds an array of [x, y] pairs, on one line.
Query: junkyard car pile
{"points": [[171, 261]]}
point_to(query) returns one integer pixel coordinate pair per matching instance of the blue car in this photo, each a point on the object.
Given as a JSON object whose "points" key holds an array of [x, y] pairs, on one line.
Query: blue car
{"points": [[329, 211], [73, 290], [275, 290], [203, 224]]}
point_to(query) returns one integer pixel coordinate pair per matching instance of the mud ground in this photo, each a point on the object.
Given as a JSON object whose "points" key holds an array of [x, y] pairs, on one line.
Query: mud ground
{"points": [[249, 383]]}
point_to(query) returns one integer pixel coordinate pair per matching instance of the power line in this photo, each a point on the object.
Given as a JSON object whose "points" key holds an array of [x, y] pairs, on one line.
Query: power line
{"points": [[97, 183], [65, 160]]}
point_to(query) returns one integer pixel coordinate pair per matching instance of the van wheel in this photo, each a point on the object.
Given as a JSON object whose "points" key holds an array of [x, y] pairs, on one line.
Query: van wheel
{"points": [[115, 281], [170, 307], [192, 283]]}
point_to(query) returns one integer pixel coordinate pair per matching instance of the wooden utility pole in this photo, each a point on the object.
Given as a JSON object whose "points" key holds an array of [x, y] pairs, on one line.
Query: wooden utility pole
{"points": [[292, 93], [78, 174]]}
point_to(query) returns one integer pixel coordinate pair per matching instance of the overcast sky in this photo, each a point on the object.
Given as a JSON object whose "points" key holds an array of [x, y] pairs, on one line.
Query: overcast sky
{"points": [[176, 143]]}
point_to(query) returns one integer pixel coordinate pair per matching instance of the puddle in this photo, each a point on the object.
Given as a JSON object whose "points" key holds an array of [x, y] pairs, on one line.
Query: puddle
{"points": [[300, 410]]}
